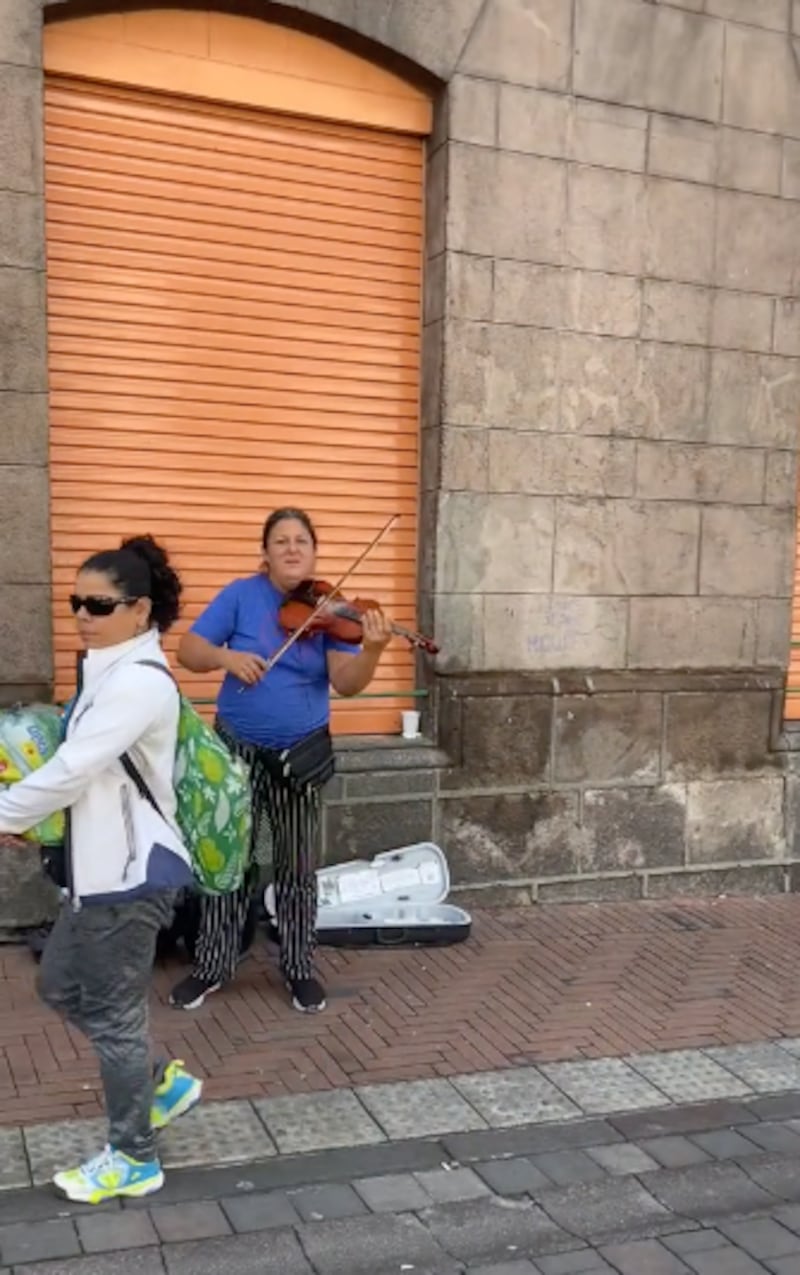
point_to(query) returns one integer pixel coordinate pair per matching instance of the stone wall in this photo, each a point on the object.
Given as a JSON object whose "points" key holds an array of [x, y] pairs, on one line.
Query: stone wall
{"points": [[610, 413], [606, 786]]}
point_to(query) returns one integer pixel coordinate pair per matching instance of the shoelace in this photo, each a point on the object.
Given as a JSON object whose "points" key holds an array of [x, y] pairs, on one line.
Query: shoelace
{"points": [[104, 1160]]}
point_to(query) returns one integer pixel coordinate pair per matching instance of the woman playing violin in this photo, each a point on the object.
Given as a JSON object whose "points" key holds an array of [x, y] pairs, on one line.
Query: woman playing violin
{"points": [[263, 715]]}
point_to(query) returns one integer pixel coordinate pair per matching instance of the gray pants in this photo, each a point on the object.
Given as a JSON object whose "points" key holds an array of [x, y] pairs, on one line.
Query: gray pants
{"points": [[96, 972]]}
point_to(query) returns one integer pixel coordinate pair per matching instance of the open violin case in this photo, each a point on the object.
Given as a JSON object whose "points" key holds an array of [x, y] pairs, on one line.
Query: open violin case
{"points": [[396, 899]]}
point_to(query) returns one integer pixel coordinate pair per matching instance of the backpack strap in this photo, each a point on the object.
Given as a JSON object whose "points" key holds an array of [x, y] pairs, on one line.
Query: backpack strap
{"points": [[133, 773], [129, 765]]}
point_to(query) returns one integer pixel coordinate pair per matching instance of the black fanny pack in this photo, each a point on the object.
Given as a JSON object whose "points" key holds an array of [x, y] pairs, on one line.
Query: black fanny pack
{"points": [[309, 763]]}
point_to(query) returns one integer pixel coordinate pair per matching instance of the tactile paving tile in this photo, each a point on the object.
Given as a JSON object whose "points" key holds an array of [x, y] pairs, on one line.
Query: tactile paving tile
{"points": [[62, 1145], [216, 1133], [766, 1068], [604, 1085], [687, 1075], [314, 1122], [420, 1108], [14, 1171], [521, 1096]]}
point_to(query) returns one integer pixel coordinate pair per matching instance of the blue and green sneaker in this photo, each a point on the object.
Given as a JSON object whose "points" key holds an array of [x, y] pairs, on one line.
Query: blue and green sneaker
{"points": [[108, 1176], [176, 1094]]}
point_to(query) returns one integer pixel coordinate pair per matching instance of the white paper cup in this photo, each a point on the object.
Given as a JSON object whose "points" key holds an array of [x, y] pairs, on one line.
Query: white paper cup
{"points": [[410, 724]]}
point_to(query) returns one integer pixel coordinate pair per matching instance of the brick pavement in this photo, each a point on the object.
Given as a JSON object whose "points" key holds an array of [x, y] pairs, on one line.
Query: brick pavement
{"points": [[533, 985]]}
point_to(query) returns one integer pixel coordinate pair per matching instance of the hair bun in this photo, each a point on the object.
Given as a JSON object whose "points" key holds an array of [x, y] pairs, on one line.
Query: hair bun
{"points": [[146, 547]]}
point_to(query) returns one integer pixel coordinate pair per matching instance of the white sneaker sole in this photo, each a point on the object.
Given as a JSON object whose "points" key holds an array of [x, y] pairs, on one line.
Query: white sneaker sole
{"points": [[198, 1000], [137, 1192]]}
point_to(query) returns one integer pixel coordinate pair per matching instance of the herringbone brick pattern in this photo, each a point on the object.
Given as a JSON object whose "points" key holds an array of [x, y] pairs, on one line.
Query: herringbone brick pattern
{"points": [[532, 985]]}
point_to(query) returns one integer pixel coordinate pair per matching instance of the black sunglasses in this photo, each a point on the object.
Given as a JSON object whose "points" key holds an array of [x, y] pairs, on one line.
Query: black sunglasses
{"points": [[94, 605]]}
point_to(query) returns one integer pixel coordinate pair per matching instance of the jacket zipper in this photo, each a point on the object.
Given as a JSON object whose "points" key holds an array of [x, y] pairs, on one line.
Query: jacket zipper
{"points": [[127, 818]]}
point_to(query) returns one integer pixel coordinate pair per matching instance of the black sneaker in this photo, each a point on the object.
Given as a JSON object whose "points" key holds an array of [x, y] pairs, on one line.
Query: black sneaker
{"points": [[191, 992], [308, 995]]}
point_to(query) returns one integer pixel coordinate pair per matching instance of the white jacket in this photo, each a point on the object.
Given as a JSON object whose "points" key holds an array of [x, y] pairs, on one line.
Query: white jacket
{"points": [[121, 848]]}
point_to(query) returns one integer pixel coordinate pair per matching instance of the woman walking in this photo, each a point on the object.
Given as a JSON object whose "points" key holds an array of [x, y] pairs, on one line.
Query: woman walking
{"points": [[260, 717], [123, 861]]}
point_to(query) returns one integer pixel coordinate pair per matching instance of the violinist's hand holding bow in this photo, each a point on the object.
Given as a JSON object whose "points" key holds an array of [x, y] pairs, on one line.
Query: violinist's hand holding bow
{"points": [[377, 630]]}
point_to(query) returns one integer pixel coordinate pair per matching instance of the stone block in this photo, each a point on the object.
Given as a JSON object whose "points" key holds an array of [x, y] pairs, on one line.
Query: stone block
{"points": [[790, 173], [522, 41], [21, 162], [534, 121], [787, 326], [25, 637], [434, 290], [742, 321], [750, 161], [605, 738], [362, 830], [510, 835], [25, 547], [608, 136], [591, 890], [430, 460], [21, 229], [469, 286], [762, 89], [432, 369], [679, 231], [671, 390], [20, 33], [687, 471], [431, 37], [506, 204], [691, 633], [24, 435], [538, 632], [676, 312], [633, 828], [625, 547], [780, 485], [505, 742], [463, 459], [747, 552], [485, 543], [683, 148], [758, 13], [717, 733], [757, 243], [560, 464], [26, 897], [436, 174], [735, 819], [600, 386], [391, 783], [716, 882], [606, 221], [459, 627], [23, 335], [604, 304], [473, 111], [648, 55], [528, 294], [774, 621], [753, 400], [503, 377]]}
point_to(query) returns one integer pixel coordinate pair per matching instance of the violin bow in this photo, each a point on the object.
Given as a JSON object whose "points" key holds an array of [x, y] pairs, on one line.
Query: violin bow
{"points": [[323, 602]]}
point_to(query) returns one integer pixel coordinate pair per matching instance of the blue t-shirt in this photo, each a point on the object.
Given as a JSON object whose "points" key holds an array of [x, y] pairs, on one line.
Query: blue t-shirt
{"points": [[290, 701]]}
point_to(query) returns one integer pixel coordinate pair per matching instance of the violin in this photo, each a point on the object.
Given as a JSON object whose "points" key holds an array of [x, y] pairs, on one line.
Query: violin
{"points": [[315, 606]]}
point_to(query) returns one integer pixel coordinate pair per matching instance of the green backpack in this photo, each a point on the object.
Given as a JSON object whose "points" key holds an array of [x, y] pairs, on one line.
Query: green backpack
{"points": [[214, 800]]}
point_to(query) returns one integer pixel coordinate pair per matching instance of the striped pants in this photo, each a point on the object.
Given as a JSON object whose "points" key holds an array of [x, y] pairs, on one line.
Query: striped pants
{"points": [[294, 819]]}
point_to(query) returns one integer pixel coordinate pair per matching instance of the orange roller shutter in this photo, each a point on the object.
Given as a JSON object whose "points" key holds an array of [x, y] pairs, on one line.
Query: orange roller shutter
{"points": [[792, 706], [234, 324]]}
